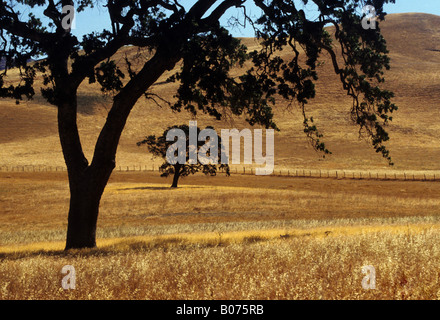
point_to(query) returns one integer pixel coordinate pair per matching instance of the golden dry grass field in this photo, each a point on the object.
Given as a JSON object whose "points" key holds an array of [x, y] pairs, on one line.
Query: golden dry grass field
{"points": [[238, 237], [244, 236]]}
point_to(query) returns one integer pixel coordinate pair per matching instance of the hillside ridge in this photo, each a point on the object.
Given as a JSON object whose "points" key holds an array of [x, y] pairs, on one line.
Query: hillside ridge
{"points": [[28, 135]]}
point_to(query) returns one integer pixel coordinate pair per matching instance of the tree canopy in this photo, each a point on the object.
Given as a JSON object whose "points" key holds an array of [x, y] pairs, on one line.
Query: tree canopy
{"points": [[160, 146]]}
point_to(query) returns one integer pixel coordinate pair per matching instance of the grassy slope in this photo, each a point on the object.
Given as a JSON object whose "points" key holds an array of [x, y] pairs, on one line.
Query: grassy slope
{"points": [[29, 136]]}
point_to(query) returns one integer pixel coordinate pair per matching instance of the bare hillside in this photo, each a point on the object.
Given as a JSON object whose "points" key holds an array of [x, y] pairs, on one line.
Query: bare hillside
{"points": [[28, 132]]}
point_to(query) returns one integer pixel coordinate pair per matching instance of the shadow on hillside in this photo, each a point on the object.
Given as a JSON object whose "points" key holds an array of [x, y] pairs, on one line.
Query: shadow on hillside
{"points": [[89, 104]]}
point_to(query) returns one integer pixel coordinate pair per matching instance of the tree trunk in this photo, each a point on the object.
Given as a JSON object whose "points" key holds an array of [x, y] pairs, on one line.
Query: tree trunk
{"points": [[176, 176], [85, 196], [83, 216]]}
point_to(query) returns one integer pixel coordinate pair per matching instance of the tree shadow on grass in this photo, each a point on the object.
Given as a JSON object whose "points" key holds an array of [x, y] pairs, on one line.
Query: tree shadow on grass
{"points": [[156, 188], [73, 253], [146, 188], [103, 251]]}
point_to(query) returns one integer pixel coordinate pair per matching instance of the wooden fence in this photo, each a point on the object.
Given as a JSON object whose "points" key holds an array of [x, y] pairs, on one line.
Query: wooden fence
{"points": [[349, 174], [299, 173]]}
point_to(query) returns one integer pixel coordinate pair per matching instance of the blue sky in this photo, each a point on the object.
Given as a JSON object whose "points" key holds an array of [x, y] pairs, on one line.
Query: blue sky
{"points": [[97, 19], [426, 6], [401, 6]]}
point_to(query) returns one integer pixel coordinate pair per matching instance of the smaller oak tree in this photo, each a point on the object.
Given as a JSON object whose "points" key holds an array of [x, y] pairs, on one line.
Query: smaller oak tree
{"points": [[159, 146]]}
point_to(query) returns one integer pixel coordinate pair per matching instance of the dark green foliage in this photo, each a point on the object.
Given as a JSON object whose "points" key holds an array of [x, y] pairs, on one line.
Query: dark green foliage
{"points": [[363, 52], [158, 146], [109, 76]]}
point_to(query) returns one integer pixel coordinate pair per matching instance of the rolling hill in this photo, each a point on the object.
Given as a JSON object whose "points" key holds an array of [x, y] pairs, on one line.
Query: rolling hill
{"points": [[28, 132]]}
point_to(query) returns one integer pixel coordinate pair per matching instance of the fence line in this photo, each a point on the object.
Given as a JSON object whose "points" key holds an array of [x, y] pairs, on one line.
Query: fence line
{"points": [[296, 173]]}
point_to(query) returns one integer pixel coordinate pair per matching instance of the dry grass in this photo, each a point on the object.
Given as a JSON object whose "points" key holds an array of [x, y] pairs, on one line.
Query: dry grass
{"points": [[264, 238], [130, 206], [301, 267]]}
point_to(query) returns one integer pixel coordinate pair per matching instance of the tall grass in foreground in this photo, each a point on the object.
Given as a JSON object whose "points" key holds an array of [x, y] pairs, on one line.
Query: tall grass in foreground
{"points": [[286, 239], [304, 266]]}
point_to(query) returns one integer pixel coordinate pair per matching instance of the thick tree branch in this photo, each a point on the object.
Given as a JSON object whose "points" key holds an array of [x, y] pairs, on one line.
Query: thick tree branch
{"points": [[10, 22], [86, 64], [199, 9], [52, 13], [106, 146], [220, 11]]}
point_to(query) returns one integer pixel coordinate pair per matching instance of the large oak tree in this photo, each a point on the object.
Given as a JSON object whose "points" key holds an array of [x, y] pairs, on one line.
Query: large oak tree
{"points": [[189, 35]]}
